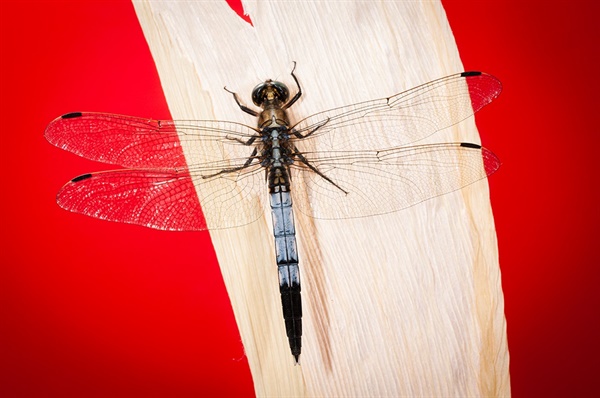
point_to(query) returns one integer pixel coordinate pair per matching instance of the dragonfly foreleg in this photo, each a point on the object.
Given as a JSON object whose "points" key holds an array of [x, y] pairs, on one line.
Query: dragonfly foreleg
{"points": [[313, 168], [298, 94], [242, 106]]}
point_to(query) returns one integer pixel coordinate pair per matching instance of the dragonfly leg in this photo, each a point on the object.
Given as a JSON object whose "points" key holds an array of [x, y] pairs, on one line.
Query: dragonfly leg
{"points": [[234, 169], [251, 157], [242, 106], [298, 135], [313, 168], [247, 143], [298, 94]]}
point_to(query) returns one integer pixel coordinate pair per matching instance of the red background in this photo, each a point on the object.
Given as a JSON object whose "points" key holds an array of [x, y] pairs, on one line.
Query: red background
{"points": [[93, 308]]}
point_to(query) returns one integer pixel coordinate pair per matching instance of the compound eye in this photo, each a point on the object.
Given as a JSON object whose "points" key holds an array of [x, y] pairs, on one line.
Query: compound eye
{"points": [[282, 92], [258, 93]]}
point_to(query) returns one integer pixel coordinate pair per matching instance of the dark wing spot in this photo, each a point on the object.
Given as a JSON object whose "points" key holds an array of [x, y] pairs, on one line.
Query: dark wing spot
{"points": [[467, 74], [71, 115], [81, 177]]}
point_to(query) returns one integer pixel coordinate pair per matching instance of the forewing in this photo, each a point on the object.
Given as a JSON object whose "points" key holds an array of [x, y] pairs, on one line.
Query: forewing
{"points": [[401, 119], [377, 182], [145, 143]]}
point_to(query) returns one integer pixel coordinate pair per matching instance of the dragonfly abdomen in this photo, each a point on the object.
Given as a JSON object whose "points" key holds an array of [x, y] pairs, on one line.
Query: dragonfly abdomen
{"points": [[287, 256]]}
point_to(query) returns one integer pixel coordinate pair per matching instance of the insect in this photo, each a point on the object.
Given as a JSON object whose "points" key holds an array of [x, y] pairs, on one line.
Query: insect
{"points": [[351, 161]]}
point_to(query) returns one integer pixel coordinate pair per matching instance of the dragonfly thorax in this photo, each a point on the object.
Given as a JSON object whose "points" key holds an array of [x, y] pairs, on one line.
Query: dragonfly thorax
{"points": [[271, 96], [273, 117]]}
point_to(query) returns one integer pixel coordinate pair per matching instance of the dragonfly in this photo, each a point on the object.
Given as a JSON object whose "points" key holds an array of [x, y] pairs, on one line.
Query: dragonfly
{"points": [[359, 160]]}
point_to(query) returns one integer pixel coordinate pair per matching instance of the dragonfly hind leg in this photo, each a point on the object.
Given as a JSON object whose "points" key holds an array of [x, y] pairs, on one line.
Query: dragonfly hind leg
{"points": [[313, 168], [234, 169]]}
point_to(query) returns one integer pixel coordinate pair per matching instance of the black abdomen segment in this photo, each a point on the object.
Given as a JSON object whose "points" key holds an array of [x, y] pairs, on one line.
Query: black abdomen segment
{"points": [[287, 259]]}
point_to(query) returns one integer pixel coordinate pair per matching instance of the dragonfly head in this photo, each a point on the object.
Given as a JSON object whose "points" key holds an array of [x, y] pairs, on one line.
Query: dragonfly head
{"points": [[270, 92]]}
